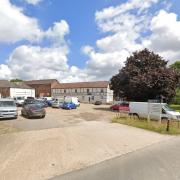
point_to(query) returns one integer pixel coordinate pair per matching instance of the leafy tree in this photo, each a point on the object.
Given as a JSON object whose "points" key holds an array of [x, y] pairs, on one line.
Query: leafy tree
{"points": [[145, 76], [176, 66], [176, 99], [16, 80]]}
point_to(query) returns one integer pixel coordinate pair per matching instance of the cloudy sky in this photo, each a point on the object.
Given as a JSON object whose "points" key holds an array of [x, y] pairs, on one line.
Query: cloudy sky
{"points": [[83, 40]]}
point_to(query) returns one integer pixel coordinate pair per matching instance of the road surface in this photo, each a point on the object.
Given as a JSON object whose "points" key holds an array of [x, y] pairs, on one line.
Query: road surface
{"points": [[156, 162]]}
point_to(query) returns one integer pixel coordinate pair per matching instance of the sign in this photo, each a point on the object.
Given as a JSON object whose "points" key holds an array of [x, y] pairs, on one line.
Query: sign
{"points": [[154, 110]]}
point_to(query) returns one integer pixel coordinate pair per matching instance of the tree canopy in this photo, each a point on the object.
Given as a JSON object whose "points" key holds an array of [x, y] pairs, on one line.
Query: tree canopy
{"points": [[16, 80], [145, 76], [176, 66]]}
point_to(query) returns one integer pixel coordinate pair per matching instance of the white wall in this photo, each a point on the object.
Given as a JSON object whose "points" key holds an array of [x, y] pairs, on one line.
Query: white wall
{"points": [[95, 94], [18, 92]]}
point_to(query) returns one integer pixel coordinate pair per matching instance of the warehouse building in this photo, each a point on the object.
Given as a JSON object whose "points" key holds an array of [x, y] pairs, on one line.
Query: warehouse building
{"points": [[42, 87], [85, 91], [10, 89]]}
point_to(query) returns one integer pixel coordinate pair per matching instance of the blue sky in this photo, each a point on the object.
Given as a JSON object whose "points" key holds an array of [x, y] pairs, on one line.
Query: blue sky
{"points": [[79, 14], [81, 40]]}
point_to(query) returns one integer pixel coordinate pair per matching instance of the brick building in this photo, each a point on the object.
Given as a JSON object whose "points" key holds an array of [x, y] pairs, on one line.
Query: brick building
{"points": [[10, 89], [42, 87]]}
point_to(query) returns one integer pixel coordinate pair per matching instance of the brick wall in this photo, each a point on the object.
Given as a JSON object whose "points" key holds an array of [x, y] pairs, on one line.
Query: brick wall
{"points": [[41, 90], [5, 92]]}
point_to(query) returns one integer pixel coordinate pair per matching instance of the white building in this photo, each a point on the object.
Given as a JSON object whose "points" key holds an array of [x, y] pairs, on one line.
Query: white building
{"points": [[9, 89], [85, 91]]}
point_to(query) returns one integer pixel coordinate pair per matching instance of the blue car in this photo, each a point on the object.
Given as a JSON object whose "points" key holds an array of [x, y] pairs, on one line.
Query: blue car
{"points": [[67, 105]]}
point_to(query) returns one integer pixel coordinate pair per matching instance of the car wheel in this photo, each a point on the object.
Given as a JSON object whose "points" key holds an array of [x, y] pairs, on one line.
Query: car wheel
{"points": [[43, 116], [28, 116]]}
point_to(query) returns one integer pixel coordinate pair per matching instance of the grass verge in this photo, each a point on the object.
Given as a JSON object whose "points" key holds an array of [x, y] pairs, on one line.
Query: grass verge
{"points": [[175, 107], [151, 126]]}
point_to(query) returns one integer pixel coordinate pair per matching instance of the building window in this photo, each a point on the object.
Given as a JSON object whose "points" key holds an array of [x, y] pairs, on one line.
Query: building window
{"points": [[92, 97], [87, 90], [75, 90], [102, 90], [64, 90]]}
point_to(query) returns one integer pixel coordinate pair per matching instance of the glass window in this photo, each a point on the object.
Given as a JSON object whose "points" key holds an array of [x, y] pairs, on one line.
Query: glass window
{"points": [[102, 90], [64, 90], [75, 90], [87, 90]]}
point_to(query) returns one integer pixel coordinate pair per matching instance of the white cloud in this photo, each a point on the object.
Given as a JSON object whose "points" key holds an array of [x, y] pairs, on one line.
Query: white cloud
{"points": [[57, 32], [5, 72], [33, 2], [33, 62], [36, 62], [15, 25], [124, 25], [165, 37]]}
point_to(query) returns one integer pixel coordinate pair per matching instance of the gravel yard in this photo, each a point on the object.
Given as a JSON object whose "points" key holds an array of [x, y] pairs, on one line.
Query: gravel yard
{"points": [[56, 118], [66, 140]]}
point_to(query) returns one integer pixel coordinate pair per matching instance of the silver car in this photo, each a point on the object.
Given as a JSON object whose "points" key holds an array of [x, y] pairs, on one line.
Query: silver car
{"points": [[8, 109], [58, 103]]}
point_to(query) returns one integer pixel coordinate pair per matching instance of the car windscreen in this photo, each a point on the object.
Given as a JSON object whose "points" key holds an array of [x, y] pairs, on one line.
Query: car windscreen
{"points": [[7, 104], [20, 98], [37, 106], [167, 108]]}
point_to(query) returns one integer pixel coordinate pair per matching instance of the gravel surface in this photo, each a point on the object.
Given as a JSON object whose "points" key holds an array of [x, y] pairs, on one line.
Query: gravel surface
{"points": [[65, 141]]}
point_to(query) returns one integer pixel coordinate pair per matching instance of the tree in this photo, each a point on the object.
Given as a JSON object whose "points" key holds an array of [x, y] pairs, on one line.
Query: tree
{"points": [[176, 66], [176, 99], [145, 76], [16, 80]]}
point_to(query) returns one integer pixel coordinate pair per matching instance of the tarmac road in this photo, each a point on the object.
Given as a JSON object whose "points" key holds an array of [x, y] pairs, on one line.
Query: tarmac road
{"points": [[157, 162]]}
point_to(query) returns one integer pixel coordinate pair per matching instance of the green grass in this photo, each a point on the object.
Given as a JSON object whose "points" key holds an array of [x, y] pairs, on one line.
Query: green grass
{"points": [[175, 107], [151, 126]]}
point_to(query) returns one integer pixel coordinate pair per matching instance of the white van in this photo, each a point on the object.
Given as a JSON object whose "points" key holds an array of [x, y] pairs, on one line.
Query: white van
{"points": [[74, 100], [155, 110], [8, 108]]}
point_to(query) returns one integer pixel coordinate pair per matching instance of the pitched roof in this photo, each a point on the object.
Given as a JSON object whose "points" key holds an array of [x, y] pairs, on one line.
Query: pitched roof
{"points": [[8, 84], [95, 84], [5, 83], [42, 81]]}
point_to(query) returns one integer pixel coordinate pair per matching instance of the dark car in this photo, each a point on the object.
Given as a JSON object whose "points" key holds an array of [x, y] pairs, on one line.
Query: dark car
{"points": [[42, 102], [33, 110], [29, 101], [122, 106], [98, 103]]}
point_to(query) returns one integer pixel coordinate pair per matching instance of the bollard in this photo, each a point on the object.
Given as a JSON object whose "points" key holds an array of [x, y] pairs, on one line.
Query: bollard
{"points": [[168, 123]]}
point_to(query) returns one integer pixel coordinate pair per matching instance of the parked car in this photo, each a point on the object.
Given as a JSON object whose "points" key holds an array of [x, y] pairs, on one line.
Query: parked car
{"points": [[121, 106], [69, 105], [42, 102], [98, 103], [74, 100], [155, 110], [33, 110], [28, 101], [8, 108], [48, 100], [58, 103], [19, 100]]}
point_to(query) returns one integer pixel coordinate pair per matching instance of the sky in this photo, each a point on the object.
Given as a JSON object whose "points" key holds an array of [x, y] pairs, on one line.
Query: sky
{"points": [[82, 40]]}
